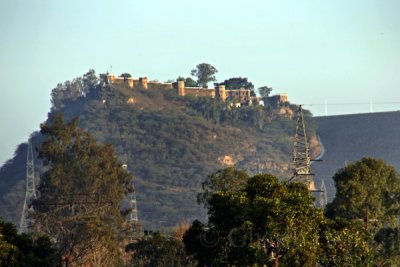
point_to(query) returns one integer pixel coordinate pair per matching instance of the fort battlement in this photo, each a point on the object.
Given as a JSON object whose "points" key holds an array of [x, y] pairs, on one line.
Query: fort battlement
{"points": [[141, 82], [240, 96], [276, 100]]}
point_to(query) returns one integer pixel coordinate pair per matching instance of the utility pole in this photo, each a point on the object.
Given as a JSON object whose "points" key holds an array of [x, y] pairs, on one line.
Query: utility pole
{"points": [[30, 193], [367, 220]]}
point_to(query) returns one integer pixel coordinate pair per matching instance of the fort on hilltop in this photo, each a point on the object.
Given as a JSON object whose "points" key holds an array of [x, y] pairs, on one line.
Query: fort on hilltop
{"points": [[237, 96]]}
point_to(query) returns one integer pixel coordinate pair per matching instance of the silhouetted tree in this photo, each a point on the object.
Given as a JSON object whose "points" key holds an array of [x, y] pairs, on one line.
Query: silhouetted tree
{"points": [[264, 91], [205, 73], [189, 82], [22, 250], [155, 249], [237, 83]]}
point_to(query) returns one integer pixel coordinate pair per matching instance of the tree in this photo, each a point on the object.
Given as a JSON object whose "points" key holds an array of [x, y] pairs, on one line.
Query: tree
{"points": [[237, 83], [344, 243], [387, 246], [155, 249], [369, 185], [80, 194], [253, 224], [205, 73], [90, 80], [264, 91], [366, 183], [189, 82], [69, 91], [126, 75], [225, 180], [21, 250]]}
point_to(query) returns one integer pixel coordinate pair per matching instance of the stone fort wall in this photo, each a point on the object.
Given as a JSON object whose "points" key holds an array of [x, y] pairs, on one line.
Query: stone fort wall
{"points": [[237, 96]]}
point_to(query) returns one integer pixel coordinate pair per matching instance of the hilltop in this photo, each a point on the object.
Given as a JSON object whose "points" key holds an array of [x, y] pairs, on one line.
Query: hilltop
{"points": [[169, 142]]}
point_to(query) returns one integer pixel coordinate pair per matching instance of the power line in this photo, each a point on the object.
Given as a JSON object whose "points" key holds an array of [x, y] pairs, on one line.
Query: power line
{"points": [[350, 103]]}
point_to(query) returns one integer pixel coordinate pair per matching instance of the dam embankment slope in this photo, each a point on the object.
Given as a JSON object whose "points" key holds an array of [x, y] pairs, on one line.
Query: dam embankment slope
{"points": [[348, 138]]}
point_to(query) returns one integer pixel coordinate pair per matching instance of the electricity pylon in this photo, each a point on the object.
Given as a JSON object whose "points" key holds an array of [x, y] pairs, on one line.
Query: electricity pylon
{"points": [[30, 193], [133, 214], [301, 154], [323, 195]]}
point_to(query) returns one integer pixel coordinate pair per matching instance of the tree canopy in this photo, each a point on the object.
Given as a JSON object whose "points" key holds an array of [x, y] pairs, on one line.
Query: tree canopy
{"points": [[80, 194], [237, 83], [344, 243], [126, 75], [69, 91], [370, 185], [264, 91], [225, 180], [366, 183], [262, 221], [205, 73], [21, 250], [256, 222], [156, 249], [189, 82]]}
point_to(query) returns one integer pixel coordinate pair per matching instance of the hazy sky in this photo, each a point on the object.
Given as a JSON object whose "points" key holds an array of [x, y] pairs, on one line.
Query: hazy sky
{"points": [[338, 51]]}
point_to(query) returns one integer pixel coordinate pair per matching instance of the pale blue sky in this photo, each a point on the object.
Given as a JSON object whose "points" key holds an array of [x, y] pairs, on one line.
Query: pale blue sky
{"points": [[342, 51]]}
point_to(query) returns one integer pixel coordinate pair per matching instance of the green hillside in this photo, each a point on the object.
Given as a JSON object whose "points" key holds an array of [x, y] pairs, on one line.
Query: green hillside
{"points": [[170, 144]]}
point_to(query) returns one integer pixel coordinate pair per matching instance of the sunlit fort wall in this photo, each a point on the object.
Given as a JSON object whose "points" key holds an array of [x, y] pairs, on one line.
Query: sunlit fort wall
{"points": [[238, 96]]}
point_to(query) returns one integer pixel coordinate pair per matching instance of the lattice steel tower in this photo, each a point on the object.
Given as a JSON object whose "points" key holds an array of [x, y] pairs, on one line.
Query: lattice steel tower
{"points": [[301, 154], [133, 215], [323, 196], [30, 193]]}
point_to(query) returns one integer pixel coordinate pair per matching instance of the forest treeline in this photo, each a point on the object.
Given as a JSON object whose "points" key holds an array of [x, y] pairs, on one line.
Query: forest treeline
{"points": [[253, 220]]}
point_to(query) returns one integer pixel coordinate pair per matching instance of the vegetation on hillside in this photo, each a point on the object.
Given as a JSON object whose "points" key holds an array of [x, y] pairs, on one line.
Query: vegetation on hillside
{"points": [[170, 143]]}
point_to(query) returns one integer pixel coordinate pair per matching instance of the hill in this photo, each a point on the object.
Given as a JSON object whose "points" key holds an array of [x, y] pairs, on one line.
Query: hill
{"points": [[348, 138], [170, 144]]}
